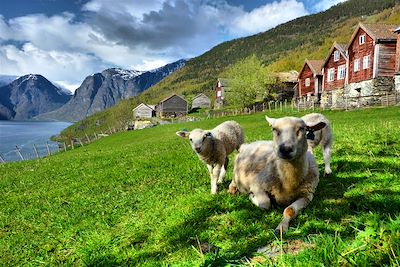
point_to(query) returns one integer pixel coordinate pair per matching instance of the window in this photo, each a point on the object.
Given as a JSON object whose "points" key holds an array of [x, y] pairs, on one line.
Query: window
{"points": [[341, 72], [356, 65], [308, 82], [331, 74], [219, 93], [336, 56], [366, 62], [361, 39]]}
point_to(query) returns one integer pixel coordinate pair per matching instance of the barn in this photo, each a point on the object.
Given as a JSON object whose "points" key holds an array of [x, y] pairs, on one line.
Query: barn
{"points": [[201, 101], [173, 106], [143, 111]]}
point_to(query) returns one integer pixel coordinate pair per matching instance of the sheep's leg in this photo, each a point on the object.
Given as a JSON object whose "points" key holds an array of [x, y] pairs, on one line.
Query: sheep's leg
{"points": [[214, 179], [210, 170], [326, 151], [260, 199], [222, 174], [291, 212]]}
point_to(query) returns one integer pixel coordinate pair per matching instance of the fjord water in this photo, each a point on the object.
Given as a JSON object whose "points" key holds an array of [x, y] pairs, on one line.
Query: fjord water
{"points": [[26, 133]]}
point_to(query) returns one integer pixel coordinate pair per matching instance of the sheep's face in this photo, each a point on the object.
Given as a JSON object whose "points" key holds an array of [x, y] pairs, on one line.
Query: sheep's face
{"points": [[198, 139], [289, 135]]}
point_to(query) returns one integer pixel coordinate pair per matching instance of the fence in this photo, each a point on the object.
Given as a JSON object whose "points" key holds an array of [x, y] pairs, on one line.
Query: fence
{"points": [[347, 103]]}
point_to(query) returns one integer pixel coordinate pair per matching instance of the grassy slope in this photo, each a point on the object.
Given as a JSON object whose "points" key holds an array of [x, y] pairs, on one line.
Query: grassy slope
{"points": [[280, 49], [142, 198]]}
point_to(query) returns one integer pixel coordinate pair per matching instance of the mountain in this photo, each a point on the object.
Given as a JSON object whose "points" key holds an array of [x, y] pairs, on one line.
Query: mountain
{"points": [[29, 96], [282, 48], [103, 90], [7, 79]]}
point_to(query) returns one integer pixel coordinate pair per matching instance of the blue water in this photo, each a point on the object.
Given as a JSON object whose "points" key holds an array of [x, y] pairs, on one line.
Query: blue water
{"points": [[26, 133]]}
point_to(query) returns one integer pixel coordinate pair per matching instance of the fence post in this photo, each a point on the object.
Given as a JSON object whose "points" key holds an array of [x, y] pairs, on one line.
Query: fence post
{"points": [[48, 149], [346, 103], [87, 138], [19, 152], [281, 106], [387, 99], [36, 152], [80, 142], [2, 158], [58, 146], [285, 103], [72, 144], [65, 147]]}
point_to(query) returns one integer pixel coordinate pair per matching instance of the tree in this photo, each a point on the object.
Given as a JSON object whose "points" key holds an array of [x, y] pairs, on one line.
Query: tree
{"points": [[247, 82]]}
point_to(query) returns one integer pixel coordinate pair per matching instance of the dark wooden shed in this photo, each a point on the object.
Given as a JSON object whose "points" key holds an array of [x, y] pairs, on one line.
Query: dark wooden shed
{"points": [[173, 106]]}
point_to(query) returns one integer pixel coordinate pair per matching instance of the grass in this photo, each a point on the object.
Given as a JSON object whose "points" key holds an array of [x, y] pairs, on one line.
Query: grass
{"points": [[141, 198]]}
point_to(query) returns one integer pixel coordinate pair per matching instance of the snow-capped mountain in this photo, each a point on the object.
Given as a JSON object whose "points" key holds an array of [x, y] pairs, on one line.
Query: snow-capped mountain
{"points": [[103, 90], [28, 96]]}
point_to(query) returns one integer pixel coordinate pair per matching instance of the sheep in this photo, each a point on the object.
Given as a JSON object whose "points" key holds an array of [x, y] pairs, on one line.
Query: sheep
{"points": [[214, 146], [323, 137], [282, 170]]}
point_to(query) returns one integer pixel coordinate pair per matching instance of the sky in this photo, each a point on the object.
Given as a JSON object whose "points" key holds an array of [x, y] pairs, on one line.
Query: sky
{"points": [[67, 40]]}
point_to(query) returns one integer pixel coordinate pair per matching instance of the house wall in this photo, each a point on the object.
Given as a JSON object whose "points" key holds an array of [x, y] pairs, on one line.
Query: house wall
{"points": [[173, 106], [386, 60], [335, 84], [397, 69], [143, 112], [357, 51], [306, 73], [201, 102]]}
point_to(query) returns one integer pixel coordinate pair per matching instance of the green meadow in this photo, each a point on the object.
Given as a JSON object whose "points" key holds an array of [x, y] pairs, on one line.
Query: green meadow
{"points": [[142, 198]]}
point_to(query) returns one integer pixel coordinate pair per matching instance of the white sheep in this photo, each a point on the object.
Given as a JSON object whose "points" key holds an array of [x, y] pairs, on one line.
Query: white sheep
{"points": [[282, 170], [323, 137], [214, 146]]}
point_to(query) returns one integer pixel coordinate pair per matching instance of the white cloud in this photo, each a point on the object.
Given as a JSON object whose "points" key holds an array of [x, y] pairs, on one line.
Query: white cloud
{"points": [[267, 17], [138, 34], [326, 4]]}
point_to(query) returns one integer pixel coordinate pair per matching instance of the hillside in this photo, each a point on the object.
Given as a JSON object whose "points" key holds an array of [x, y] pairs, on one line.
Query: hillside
{"points": [[280, 49], [142, 198]]}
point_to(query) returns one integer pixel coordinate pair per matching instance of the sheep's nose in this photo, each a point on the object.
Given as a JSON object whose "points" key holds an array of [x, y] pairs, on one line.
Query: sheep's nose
{"points": [[198, 149], [285, 149]]}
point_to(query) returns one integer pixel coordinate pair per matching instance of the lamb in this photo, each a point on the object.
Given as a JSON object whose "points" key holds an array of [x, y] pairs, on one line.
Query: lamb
{"points": [[323, 137], [214, 146], [282, 170]]}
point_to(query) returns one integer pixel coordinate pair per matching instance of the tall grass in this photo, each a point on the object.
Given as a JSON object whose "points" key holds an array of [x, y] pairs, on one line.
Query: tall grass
{"points": [[142, 198]]}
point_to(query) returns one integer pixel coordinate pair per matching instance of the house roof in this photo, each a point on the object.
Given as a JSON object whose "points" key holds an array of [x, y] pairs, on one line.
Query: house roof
{"points": [[224, 82], [289, 76], [200, 95], [315, 66], [143, 105], [340, 47], [378, 32], [165, 99]]}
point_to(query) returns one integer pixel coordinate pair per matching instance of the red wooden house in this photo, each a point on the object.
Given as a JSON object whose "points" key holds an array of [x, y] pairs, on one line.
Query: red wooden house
{"points": [[371, 53], [310, 79], [334, 68]]}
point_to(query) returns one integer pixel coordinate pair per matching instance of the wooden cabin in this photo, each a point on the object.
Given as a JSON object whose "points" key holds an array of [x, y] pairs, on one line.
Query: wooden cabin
{"points": [[287, 83], [173, 106], [220, 89], [201, 101], [310, 79], [371, 53], [334, 68], [143, 111]]}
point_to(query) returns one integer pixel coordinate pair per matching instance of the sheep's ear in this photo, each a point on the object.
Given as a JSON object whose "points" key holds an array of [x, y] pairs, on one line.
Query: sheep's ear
{"points": [[270, 121], [207, 134], [316, 127], [183, 134]]}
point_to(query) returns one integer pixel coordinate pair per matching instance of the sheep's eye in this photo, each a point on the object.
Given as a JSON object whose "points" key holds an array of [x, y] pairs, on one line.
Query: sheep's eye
{"points": [[276, 131], [300, 131], [190, 139], [251, 194]]}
